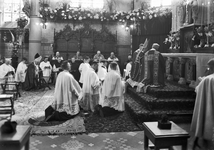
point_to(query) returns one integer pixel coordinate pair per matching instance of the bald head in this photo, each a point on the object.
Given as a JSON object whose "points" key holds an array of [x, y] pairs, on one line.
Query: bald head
{"points": [[155, 46]]}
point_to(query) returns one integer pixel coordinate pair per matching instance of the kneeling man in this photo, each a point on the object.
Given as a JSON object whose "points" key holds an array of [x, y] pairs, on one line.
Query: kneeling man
{"points": [[66, 96], [112, 94]]}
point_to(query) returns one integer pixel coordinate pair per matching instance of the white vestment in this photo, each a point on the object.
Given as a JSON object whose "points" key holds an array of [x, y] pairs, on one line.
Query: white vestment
{"points": [[128, 69], [4, 69], [203, 115], [46, 68], [118, 69], [112, 91], [90, 90], [21, 72], [102, 71], [83, 71], [66, 94]]}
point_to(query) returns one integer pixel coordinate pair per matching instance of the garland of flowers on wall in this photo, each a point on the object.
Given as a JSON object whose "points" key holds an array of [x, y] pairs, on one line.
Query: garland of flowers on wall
{"points": [[65, 12]]}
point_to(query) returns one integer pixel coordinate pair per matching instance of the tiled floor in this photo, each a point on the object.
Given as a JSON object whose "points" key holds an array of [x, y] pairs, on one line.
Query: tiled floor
{"points": [[93, 141]]}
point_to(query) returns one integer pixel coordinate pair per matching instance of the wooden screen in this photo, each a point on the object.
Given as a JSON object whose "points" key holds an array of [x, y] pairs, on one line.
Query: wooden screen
{"points": [[86, 40]]}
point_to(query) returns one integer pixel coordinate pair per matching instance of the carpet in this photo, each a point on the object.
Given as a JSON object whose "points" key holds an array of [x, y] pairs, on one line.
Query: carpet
{"points": [[30, 110]]}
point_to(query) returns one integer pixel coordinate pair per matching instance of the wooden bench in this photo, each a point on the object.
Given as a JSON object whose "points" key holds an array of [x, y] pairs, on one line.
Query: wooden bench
{"points": [[16, 140], [6, 90], [164, 138]]}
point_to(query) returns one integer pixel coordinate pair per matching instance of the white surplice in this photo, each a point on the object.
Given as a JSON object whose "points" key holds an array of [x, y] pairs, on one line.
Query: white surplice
{"points": [[102, 71], [83, 71], [67, 94], [21, 72], [112, 91], [90, 90], [46, 68], [4, 69], [203, 114]]}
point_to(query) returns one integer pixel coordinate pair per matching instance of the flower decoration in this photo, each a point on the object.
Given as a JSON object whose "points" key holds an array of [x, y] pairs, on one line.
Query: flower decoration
{"points": [[65, 12], [173, 39]]}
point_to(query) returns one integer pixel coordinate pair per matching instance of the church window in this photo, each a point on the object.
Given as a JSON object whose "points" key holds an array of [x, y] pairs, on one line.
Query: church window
{"points": [[87, 3], [12, 10], [158, 3]]}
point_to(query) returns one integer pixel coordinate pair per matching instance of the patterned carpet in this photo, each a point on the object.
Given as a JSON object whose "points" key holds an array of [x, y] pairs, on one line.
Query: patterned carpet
{"points": [[30, 109]]}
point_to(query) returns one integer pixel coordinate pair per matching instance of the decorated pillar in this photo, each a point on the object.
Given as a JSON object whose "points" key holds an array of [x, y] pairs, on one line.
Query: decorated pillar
{"points": [[170, 69], [182, 79], [35, 30]]}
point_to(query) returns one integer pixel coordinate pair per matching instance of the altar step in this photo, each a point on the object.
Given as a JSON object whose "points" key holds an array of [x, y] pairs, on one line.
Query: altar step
{"points": [[140, 114], [174, 100], [151, 102]]}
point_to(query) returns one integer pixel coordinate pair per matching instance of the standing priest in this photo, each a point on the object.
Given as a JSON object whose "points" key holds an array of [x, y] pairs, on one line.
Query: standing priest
{"points": [[33, 74], [91, 85]]}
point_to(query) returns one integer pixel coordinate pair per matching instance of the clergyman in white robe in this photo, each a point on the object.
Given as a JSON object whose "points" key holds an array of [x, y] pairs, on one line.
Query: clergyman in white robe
{"points": [[83, 69], [91, 86], [46, 69], [67, 94], [102, 71], [21, 71], [7, 72], [112, 100]]}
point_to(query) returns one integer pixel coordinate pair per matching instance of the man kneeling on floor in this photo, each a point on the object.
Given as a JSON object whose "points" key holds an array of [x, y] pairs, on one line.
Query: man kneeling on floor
{"points": [[66, 97], [112, 94]]}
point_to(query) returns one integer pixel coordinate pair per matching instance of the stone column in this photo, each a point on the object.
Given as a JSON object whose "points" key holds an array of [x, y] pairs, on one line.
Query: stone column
{"points": [[35, 30], [170, 69], [193, 81], [182, 79]]}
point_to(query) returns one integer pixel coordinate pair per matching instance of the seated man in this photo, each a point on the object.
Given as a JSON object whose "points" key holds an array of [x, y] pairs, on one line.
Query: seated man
{"points": [[203, 115], [91, 85], [78, 56], [112, 57], [112, 100], [66, 96], [98, 56], [33, 74]]}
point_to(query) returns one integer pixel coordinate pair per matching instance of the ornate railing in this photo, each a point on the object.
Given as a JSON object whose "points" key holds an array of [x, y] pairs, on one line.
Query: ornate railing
{"points": [[186, 67]]}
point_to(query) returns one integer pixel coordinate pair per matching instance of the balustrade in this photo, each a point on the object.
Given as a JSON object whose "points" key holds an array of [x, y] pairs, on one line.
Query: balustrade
{"points": [[186, 67]]}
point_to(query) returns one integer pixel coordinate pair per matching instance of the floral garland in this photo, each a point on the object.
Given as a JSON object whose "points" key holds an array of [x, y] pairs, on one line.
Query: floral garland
{"points": [[65, 12]]}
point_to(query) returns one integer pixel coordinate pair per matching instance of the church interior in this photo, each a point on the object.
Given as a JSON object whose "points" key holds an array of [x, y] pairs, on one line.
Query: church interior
{"points": [[106, 74]]}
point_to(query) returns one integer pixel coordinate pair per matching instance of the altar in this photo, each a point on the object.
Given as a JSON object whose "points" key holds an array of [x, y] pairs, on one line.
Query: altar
{"points": [[186, 67]]}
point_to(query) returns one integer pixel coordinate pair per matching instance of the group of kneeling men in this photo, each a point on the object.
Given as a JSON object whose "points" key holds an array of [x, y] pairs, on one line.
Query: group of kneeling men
{"points": [[104, 97]]}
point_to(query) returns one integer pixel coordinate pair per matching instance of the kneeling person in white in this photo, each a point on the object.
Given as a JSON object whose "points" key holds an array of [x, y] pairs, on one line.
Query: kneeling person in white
{"points": [[112, 91]]}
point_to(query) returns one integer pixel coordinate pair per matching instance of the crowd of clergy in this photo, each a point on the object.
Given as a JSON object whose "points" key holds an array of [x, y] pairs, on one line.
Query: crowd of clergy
{"points": [[81, 83]]}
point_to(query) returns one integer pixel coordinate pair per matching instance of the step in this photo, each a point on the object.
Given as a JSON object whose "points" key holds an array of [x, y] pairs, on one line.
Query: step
{"points": [[140, 114], [153, 103], [171, 90]]}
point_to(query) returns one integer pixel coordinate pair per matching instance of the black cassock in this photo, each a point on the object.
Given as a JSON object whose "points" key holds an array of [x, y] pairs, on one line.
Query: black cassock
{"points": [[31, 80]]}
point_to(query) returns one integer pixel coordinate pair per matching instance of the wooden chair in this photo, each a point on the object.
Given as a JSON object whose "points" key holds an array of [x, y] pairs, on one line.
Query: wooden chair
{"points": [[7, 110], [44, 82], [5, 85]]}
